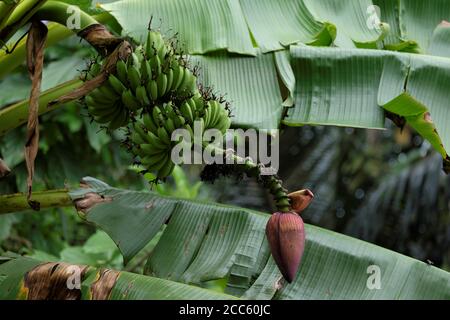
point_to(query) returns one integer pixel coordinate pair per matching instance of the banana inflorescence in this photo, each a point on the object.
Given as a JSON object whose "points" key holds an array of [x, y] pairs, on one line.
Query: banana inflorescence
{"points": [[153, 93]]}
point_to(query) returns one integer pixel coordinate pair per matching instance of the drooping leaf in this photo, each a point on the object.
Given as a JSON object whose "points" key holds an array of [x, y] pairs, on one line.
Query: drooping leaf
{"points": [[205, 241], [355, 83]]}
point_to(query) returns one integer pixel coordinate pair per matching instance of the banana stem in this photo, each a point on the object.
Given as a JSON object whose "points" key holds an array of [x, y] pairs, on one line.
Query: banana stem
{"points": [[270, 182], [18, 18], [56, 33], [17, 114], [48, 199], [62, 13]]}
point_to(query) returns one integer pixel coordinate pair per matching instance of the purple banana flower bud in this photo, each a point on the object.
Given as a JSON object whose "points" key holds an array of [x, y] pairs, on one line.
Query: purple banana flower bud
{"points": [[286, 234]]}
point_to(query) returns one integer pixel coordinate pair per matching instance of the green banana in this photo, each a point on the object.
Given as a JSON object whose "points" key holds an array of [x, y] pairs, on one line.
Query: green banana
{"points": [[169, 126], [136, 138], [156, 142], [188, 82], [151, 160], [122, 72], [163, 135], [169, 80], [100, 98], [133, 60], [149, 150], [116, 84], [152, 89], [161, 82], [146, 71], [186, 111], [130, 101], [149, 51], [157, 115], [134, 77], [149, 123], [155, 63], [157, 166], [119, 120], [178, 77], [107, 91], [141, 95], [166, 169]]}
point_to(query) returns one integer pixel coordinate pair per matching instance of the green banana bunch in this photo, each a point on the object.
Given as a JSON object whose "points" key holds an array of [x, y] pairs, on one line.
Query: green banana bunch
{"points": [[151, 75], [153, 93]]}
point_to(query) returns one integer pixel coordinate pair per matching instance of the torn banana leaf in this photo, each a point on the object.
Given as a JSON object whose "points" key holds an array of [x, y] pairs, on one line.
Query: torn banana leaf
{"points": [[290, 22], [202, 26], [205, 242], [347, 87], [24, 278]]}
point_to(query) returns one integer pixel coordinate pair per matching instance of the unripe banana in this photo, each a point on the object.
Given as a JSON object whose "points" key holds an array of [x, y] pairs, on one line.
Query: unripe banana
{"points": [[149, 123], [149, 150], [189, 82], [162, 52], [152, 90], [98, 104], [224, 124], [119, 120], [169, 126], [116, 84], [141, 95], [158, 165], [156, 142], [146, 71], [122, 72], [137, 138], [134, 77], [150, 50], [130, 101], [178, 77], [157, 115], [166, 169], [186, 111], [133, 60], [179, 121], [155, 63], [163, 135], [169, 81], [107, 91], [161, 81], [151, 160]]}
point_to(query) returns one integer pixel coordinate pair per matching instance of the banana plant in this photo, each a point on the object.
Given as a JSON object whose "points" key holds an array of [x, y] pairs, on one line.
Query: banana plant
{"points": [[206, 242], [147, 85]]}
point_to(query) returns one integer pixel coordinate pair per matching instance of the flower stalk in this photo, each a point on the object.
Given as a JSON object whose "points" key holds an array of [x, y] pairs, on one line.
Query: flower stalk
{"points": [[48, 199]]}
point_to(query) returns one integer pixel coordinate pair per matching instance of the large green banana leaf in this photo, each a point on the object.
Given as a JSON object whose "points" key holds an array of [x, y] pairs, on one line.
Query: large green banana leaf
{"points": [[355, 83], [19, 281], [205, 241], [343, 87], [216, 24]]}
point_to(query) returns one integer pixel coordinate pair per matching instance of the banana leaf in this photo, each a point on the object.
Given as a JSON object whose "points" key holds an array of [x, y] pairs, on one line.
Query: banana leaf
{"points": [[204, 242], [357, 84], [26, 278]]}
